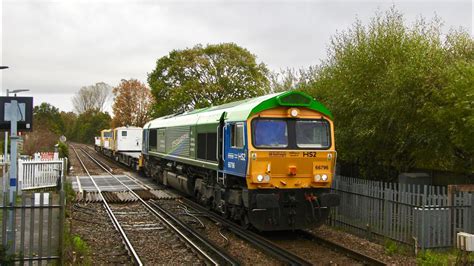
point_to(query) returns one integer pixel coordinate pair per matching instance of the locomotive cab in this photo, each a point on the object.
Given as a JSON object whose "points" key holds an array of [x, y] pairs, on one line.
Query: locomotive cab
{"points": [[292, 163]]}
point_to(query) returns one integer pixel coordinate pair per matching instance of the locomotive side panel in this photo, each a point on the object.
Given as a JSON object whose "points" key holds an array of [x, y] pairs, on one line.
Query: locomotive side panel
{"points": [[176, 141]]}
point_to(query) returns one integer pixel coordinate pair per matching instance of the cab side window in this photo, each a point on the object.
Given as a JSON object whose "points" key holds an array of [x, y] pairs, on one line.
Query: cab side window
{"points": [[237, 135]]}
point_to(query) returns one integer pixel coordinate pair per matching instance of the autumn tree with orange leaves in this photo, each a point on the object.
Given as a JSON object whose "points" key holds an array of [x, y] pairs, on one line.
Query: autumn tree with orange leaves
{"points": [[132, 103]]}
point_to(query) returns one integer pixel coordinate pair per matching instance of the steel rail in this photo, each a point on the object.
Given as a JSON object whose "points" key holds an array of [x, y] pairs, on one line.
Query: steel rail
{"points": [[365, 259], [195, 234], [156, 213], [101, 162], [111, 215], [277, 252]]}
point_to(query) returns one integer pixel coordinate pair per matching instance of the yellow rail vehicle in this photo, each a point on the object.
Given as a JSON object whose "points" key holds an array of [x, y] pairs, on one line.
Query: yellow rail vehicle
{"points": [[122, 144]]}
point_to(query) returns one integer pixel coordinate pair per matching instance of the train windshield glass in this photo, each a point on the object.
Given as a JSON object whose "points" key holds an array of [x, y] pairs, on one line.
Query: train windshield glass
{"points": [[270, 133], [312, 134]]}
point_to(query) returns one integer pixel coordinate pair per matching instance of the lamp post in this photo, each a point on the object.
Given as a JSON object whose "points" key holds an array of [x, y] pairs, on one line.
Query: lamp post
{"points": [[5, 156]]}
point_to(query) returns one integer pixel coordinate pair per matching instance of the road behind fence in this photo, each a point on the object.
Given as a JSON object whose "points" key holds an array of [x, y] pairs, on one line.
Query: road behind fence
{"points": [[427, 216]]}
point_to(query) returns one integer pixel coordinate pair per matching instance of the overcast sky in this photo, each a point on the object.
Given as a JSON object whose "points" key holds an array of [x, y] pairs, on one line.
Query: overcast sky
{"points": [[55, 47]]}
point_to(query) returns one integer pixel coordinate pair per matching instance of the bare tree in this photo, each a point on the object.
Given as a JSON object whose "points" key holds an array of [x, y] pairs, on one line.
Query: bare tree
{"points": [[92, 97]]}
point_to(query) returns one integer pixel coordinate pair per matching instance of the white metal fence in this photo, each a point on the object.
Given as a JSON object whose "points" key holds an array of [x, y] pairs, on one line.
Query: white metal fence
{"points": [[34, 174]]}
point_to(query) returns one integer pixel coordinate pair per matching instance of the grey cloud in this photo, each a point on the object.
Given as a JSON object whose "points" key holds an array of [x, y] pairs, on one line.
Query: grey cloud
{"points": [[58, 46]]}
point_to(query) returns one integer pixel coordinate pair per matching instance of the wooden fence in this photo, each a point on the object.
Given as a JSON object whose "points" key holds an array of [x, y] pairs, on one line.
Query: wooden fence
{"points": [[412, 214]]}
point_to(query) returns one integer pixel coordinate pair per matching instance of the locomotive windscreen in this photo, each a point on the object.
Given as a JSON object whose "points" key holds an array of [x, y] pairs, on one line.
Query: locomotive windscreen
{"points": [[291, 133], [312, 134], [270, 133]]}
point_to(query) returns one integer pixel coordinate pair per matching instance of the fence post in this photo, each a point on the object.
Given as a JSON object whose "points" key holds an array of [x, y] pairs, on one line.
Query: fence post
{"points": [[62, 204], [20, 177], [385, 209], [471, 220]]}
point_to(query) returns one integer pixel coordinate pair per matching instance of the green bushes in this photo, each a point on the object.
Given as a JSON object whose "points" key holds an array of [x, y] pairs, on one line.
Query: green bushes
{"points": [[63, 150], [6, 259], [400, 93], [76, 250]]}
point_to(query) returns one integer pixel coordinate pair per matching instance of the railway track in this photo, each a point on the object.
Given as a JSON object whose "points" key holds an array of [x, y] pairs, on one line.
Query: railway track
{"points": [[137, 222], [274, 250], [268, 247]]}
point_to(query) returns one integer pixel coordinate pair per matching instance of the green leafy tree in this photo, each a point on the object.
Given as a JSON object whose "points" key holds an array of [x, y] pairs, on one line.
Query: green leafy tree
{"points": [[69, 121], [46, 115], [89, 124], [203, 76], [401, 96], [47, 127]]}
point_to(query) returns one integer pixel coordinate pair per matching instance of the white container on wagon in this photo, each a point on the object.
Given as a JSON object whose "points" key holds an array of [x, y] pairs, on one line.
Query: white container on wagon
{"points": [[127, 139]]}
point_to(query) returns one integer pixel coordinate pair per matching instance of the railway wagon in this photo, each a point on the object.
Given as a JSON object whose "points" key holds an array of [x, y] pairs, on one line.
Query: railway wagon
{"points": [[123, 144], [127, 143], [267, 162], [105, 139]]}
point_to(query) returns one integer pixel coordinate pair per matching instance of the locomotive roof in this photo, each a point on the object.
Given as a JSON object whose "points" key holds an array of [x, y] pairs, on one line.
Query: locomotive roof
{"points": [[240, 110]]}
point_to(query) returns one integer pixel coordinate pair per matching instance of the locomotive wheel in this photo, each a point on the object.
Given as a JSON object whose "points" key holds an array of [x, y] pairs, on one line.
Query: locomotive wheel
{"points": [[225, 211], [244, 221]]}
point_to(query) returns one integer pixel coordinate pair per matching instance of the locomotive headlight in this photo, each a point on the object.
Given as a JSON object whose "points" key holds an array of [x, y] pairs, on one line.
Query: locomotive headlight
{"points": [[317, 178], [294, 113], [260, 178], [324, 177], [267, 178]]}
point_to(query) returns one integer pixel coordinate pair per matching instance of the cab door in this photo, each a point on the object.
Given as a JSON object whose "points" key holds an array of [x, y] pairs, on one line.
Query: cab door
{"points": [[235, 149]]}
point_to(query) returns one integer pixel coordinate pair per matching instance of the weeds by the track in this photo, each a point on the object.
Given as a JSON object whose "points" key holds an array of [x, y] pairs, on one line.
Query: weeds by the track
{"points": [[76, 251]]}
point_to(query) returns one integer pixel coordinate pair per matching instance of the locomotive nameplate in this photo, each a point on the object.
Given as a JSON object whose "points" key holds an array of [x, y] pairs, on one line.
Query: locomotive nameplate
{"points": [[277, 154], [319, 155]]}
